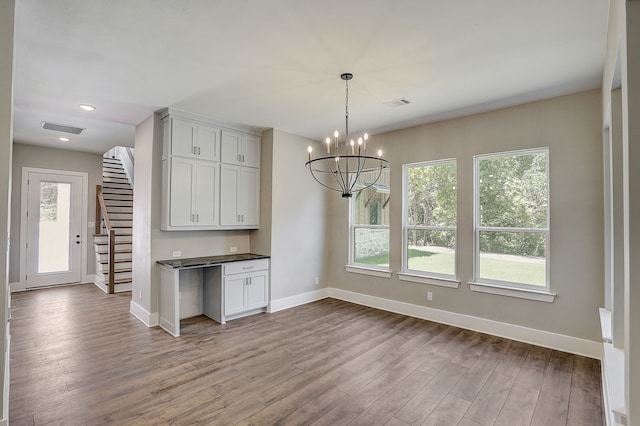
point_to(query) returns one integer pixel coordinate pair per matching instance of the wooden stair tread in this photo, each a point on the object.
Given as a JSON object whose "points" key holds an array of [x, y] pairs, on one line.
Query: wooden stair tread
{"points": [[104, 262], [116, 252]]}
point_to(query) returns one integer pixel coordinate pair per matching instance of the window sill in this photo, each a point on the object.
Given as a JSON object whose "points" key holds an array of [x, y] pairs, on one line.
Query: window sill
{"points": [[382, 273], [422, 279], [538, 295]]}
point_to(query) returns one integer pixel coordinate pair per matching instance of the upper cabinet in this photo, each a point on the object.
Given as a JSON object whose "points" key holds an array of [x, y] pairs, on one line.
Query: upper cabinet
{"points": [[196, 194], [191, 139], [241, 149]]}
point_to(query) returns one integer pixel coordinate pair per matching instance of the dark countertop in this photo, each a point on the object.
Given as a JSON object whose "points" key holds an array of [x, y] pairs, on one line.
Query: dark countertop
{"points": [[191, 262]]}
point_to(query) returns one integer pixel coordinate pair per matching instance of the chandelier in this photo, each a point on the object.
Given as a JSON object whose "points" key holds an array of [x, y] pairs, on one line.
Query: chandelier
{"points": [[347, 169]]}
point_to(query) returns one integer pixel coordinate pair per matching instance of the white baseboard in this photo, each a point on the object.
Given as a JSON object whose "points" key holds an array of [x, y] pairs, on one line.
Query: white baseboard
{"points": [[546, 339], [120, 288], [148, 318], [16, 287], [97, 280], [298, 299], [21, 286]]}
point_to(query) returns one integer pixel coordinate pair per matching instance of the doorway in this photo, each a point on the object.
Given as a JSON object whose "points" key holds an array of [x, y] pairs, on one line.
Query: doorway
{"points": [[53, 227]]}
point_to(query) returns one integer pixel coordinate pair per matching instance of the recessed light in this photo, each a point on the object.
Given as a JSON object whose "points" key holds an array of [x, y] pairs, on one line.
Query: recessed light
{"points": [[63, 139], [87, 107]]}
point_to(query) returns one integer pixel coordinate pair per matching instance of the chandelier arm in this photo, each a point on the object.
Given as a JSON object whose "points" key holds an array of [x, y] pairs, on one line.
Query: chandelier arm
{"points": [[380, 169], [322, 183], [335, 172], [362, 161], [341, 182]]}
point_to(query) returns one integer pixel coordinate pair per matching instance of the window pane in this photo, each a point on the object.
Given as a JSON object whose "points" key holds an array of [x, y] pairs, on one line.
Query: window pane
{"points": [[513, 191], [54, 226], [371, 205], [431, 195], [371, 246], [518, 257], [431, 251]]}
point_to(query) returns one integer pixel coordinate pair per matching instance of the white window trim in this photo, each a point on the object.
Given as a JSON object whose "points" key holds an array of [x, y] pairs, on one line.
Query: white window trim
{"points": [[508, 288], [375, 272], [521, 293], [361, 268], [425, 277]]}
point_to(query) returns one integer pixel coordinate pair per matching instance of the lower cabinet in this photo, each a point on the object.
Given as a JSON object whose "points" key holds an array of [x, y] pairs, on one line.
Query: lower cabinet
{"points": [[246, 286]]}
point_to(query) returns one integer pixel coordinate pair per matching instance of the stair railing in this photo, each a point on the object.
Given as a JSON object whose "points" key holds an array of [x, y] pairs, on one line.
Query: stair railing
{"points": [[103, 217]]}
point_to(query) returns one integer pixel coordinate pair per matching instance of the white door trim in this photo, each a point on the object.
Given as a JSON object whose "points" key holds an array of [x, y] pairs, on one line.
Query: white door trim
{"points": [[21, 285]]}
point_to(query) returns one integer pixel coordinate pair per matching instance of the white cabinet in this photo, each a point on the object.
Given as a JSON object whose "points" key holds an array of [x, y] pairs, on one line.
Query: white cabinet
{"points": [[193, 193], [239, 196], [246, 286], [220, 287], [190, 139], [240, 148]]}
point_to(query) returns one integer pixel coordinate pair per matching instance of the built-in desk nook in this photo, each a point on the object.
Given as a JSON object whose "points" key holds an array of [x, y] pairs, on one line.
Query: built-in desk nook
{"points": [[220, 287]]}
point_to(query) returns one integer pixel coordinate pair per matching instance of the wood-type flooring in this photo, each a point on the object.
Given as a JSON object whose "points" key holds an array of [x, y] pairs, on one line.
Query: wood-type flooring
{"points": [[78, 357]]}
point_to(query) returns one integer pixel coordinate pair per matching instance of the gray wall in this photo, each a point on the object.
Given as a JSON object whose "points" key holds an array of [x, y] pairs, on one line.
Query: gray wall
{"points": [[7, 12], [261, 238], [294, 219], [571, 127], [54, 159], [622, 69]]}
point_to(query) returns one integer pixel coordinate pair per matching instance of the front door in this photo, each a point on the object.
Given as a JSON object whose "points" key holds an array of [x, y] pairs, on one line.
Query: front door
{"points": [[54, 228]]}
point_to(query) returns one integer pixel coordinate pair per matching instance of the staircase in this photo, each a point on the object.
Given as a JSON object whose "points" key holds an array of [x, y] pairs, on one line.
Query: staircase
{"points": [[114, 219]]}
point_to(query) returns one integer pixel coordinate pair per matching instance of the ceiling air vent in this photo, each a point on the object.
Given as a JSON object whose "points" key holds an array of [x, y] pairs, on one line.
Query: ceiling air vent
{"points": [[61, 128], [395, 103]]}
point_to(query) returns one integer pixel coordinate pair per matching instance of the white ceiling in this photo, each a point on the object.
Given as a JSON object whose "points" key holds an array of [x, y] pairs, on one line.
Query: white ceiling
{"points": [[276, 63]]}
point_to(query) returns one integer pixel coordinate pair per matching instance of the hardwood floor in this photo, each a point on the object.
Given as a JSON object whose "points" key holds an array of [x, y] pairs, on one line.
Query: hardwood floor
{"points": [[78, 357]]}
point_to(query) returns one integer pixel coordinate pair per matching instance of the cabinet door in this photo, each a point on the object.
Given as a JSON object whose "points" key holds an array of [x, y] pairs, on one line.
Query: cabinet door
{"points": [[234, 294], [208, 143], [249, 196], [183, 137], [206, 193], [250, 151], [229, 181], [231, 147], [181, 195], [257, 291]]}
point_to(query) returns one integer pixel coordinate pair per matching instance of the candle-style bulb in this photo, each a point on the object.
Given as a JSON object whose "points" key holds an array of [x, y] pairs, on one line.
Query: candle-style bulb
{"points": [[379, 153], [328, 141], [310, 149], [352, 142], [336, 134], [359, 141], [366, 136]]}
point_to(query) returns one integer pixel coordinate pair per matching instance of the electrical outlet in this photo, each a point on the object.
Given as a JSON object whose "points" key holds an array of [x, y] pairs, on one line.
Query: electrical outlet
{"points": [[177, 253], [233, 249], [429, 295], [317, 281]]}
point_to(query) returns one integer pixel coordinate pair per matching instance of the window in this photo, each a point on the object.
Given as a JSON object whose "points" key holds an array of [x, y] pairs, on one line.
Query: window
{"points": [[370, 222], [430, 216], [511, 219]]}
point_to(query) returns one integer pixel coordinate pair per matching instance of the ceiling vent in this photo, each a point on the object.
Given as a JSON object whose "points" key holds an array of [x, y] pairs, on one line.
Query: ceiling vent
{"points": [[61, 128], [395, 103]]}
